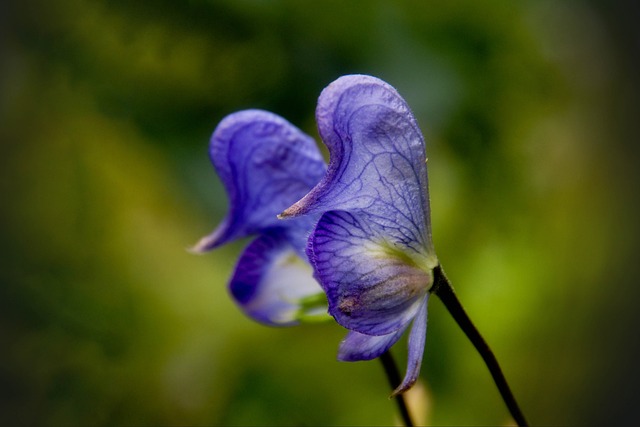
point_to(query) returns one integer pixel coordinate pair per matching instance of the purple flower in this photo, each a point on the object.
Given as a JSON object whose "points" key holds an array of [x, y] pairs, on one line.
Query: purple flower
{"points": [[266, 164], [371, 249]]}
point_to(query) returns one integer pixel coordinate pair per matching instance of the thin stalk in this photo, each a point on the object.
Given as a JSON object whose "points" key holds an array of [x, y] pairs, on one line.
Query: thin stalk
{"points": [[443, 289], [393, 375]]}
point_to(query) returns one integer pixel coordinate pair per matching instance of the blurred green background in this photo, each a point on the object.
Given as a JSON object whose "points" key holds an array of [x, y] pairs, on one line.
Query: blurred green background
{"points": [[529, 109]]}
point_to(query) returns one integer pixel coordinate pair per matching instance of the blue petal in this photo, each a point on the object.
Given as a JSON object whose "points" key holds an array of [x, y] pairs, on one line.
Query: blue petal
{"points": [[377, 160], [270, 279], [357, 346], [265, 164], [372, 286], [417, 340]]}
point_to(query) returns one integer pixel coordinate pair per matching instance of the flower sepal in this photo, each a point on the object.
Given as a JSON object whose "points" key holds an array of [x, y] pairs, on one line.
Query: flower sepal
{"points": [[313, 309]]}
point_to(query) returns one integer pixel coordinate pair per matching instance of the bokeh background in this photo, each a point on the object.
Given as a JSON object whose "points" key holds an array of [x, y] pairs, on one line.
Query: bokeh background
{"points": [[529, 109]]}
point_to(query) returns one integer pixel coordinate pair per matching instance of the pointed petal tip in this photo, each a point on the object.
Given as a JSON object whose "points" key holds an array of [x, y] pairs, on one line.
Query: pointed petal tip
{"points": [[195, 250], [292, 211], [403, 388], [416, 350], [206, 244]]}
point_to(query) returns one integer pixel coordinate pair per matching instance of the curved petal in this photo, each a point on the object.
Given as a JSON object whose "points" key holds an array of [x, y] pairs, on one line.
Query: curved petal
{"points": [[265, 164], [270, 281], [372, 286], [377, 159], [357, 346], [417, 340]]}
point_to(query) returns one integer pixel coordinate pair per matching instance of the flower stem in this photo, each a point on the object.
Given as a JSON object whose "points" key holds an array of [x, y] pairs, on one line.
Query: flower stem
{"points": [[393, 375], [443, 289]]}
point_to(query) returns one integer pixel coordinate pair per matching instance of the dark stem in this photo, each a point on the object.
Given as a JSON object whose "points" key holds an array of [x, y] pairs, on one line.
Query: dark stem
{"points": [[393, 375], [443, 289]]}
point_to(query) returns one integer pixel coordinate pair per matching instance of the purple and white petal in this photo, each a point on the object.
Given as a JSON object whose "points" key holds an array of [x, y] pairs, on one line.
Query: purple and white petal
{"points": [[270, 280], [357, 346], [377, 160], [372, 285], [417, 339], [265, 164]]}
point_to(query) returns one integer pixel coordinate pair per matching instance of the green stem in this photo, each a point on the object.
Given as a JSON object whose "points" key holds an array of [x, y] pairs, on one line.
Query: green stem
{"points": [[393, 375], [443, 289]]}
